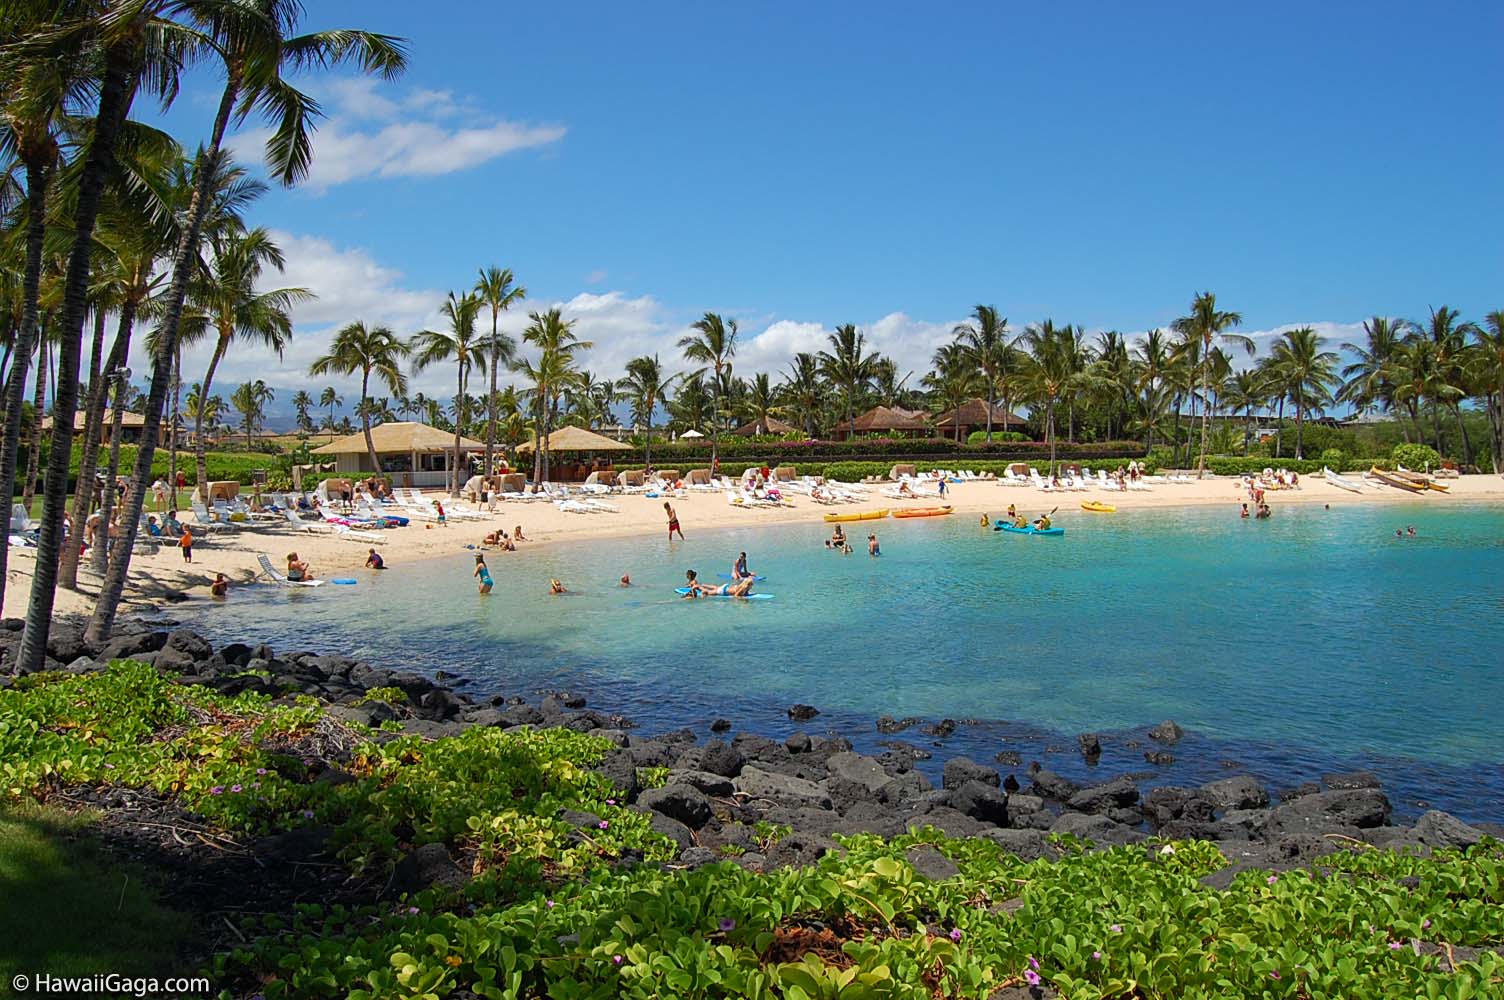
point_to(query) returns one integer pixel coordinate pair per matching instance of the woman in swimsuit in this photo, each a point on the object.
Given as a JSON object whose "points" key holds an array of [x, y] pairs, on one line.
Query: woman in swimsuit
{"points": [[483, 572]]}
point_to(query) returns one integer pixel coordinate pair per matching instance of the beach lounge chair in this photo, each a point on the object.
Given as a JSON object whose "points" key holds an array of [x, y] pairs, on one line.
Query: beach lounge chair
{"points": [[204, 519], [281, 578], [20, 521]]}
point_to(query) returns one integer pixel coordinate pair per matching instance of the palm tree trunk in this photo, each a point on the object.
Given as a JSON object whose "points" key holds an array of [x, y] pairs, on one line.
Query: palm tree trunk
{"points": [[1206, 379], [1435, 425], [38, 176], [183, 260], [175, 423], [1467, 443], [459, 413], [1300, 425], [83, 490], [990, 397], [1050, 420], [38, 412], [107, 498], [116, 91], [365, 419], [200, 446]]}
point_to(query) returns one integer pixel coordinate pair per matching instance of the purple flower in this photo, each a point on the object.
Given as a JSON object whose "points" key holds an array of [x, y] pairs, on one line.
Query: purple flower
{"points": [[548, 903], [308, 814], [618, 959], [610, 802], [234, 788], [605, 825], [955, 934], [412, 909], [1272, 879], [260, 770], [1097, 955], [727, 925], [1425, 923], [1033, 963], [1395, 946], [1116, 928], [1031, 977], [217, 790], [1274, 974], [108, 766]]}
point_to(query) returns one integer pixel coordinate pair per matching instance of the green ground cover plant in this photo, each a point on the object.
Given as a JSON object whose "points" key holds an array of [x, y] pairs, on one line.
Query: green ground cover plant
{"points": [[569, 899]]}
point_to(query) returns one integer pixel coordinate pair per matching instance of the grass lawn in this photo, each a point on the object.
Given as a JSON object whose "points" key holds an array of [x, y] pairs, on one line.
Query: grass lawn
{"points": [[70, 911]]}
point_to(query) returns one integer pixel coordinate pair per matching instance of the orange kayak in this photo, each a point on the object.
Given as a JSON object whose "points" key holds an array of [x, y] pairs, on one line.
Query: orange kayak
{"points": [[922, 512]]}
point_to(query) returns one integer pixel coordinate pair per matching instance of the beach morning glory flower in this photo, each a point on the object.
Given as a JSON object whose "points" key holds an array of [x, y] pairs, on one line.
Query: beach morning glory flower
{"points": [[308, 814], [955, 934], [1272, 879], [1395, 946], [1274, 974], [727, 925], [108, 766], [1097, 955], [234, 788], [1116, 928], [412, 909], [605, 825], [1033, 963], [1426, 922], [260, 770], [217, 790], [610, 802], [618, 959], [1031, 977], [548, 903]]}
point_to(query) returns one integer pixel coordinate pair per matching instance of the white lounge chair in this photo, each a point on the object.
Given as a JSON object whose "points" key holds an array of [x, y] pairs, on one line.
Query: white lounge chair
{"points": [[271, 571]]}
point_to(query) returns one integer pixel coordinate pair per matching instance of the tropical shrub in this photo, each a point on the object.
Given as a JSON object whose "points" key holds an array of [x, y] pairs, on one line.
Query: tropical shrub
{"points": [[1416, 456], [980, 437], [1334, 459]]}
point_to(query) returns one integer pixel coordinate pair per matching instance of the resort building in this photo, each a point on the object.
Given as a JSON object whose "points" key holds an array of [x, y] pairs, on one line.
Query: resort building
{"points": [[130, 425], [972, 416], [887, 421], [758, 428], [411, 453]]}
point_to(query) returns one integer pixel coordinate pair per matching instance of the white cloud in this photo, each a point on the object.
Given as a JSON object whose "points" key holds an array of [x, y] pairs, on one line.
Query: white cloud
{"points": [[375, 131]]}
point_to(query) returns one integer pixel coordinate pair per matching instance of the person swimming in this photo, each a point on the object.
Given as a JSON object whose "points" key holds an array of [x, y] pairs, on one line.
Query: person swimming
{"points": [[483, 573], [625, 581], [555, 587], [1244, 512]]}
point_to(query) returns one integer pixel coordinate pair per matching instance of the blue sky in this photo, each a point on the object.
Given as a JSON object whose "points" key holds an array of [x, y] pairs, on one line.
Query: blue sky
{"points": [[802, 165]]}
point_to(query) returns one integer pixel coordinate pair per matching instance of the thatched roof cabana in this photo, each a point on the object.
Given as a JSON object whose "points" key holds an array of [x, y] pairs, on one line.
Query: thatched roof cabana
{"points": [[573, 438]]}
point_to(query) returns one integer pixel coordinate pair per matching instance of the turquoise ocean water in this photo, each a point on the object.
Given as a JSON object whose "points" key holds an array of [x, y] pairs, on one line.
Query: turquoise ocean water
{"points": [[1311, 642]]}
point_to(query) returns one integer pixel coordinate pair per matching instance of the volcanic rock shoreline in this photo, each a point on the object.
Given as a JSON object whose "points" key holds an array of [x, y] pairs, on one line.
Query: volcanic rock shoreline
{"points": [[765, 804]]}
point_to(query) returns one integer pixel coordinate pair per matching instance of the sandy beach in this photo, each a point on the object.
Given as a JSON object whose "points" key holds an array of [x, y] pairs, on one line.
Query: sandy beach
{"points": [[154, 576]]}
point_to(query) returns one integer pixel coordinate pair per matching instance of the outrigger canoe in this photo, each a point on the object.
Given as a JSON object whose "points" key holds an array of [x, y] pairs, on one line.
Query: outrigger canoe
{"points": [[1340, 482], [922, 512], [865, 515], [1421, 479], [1098, 507], [1030, 530], [1398, 482]]}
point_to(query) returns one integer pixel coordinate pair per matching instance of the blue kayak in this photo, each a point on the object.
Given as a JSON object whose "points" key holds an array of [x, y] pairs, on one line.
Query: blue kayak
{"points": [[1030, 530], [750, 597], [756, 577]]}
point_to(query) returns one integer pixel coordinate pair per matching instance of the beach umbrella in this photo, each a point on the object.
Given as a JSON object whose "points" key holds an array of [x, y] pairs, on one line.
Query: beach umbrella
{"points": [[691, 434]]}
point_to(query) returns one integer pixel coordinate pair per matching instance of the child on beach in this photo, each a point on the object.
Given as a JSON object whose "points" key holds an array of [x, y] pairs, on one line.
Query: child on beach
{"points": [[220, 587], [374, 560], [483, 572], [673, 521], [517, 534], [186, 544]]}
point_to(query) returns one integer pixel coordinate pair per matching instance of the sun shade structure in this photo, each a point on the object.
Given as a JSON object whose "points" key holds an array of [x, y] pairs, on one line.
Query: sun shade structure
{"points": [[770, 426], [402, 446], [884, 419], [577, 439], [691, 433], [972, 416]]}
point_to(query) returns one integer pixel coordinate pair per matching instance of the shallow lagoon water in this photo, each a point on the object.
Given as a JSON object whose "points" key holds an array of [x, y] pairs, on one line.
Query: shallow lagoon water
{"points": [[1311, 642]]}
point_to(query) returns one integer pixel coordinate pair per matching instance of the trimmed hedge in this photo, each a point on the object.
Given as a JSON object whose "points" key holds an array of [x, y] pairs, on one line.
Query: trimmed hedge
{"points": [[676, 454]]}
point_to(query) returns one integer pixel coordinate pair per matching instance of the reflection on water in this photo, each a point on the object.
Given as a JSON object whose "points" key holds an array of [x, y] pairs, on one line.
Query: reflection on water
{"points": [[1313, 640]]}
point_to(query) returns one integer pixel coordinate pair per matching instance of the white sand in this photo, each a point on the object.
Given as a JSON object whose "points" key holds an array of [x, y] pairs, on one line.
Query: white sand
{"points": [[234, 553]]}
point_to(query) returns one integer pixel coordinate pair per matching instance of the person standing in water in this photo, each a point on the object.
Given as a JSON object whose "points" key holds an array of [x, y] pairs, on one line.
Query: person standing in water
{"points": [[483, 572], [673, 521], [873, 549]]}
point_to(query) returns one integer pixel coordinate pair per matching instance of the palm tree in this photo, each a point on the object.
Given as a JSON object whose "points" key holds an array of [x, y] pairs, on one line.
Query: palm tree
{"points": [[302, 402], [228, 294], [1207, 324], [887, 386], [713, 344], [1488, 372], [1365, 382], [1451, 339], [552, 374], [255, 43], [370, 351], [497, 289], [987, 343], [1305, 373], [1153, 364], [205, 410], [1246, 391], [803, 392], [848, 365], [460, 345], [759, 403], [1052, 372], [331, 399], [954, 379], [250, 400], [690, 405], [645, 386]]}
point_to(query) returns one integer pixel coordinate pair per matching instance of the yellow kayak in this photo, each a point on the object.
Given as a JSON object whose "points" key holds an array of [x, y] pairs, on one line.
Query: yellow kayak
{"points": [[866, 515], [1098, 507]]}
